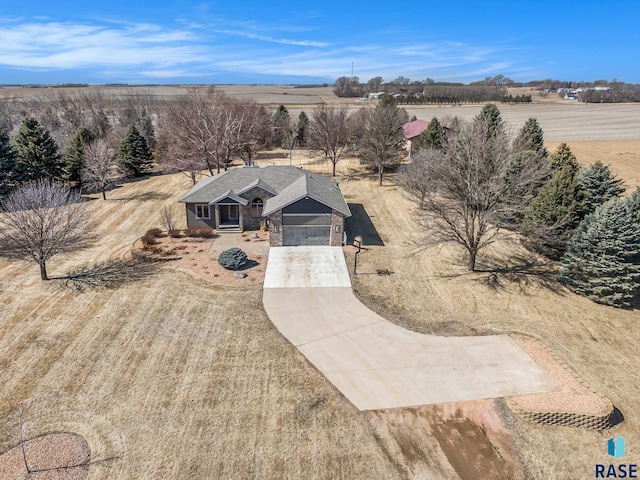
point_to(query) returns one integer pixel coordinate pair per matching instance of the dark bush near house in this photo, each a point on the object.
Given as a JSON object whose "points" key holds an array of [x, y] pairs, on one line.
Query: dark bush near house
{"points": [[232, 259], [199, 232], [154, 233]]}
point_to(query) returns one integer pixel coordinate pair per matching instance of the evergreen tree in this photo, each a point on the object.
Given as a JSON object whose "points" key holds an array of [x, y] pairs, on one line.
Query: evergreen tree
{"points": [[37, 153], [562, 156], [490, 114], [134, 157], [74, 152], [303, 125], [281, 123], [598, 185], [531, 138], [10, 172], [634, 204], [603, 257], [432, 136], [555, 212]]}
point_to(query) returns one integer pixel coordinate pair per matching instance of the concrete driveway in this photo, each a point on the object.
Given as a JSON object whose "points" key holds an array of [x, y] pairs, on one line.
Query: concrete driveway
{"points": [[373, 362]]}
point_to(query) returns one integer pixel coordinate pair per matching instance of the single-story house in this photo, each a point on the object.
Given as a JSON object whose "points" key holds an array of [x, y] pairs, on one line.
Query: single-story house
{"points": [[299, 207]]}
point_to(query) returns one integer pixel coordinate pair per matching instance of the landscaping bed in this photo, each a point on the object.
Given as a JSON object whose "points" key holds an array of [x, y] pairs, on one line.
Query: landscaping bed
{"points": [[195, 253]]}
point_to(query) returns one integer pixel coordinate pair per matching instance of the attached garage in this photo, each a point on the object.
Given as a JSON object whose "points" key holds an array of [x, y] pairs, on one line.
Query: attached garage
{"points": [[299, 229], [306, 222]]}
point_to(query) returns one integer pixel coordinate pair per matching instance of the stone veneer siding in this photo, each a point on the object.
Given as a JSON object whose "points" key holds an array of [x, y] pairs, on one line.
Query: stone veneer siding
{"points": [[275, 229], [337, 219], [253, 223]]}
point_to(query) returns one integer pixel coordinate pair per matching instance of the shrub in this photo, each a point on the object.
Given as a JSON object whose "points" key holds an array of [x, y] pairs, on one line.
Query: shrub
{"points": [[148, 240], [232, 259], [199, 232], [154, 233]]}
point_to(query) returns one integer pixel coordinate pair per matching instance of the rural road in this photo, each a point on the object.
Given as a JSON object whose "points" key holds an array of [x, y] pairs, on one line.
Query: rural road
{"points": [[373, 362]]}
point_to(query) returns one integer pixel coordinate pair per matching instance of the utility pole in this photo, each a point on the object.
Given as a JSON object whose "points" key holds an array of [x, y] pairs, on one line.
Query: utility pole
{"points": [[351, 70]]}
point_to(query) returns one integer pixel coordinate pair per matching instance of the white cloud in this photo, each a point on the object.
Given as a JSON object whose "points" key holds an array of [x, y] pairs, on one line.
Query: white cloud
{"points": [[127, 50], [282, 41], [68, 46]]}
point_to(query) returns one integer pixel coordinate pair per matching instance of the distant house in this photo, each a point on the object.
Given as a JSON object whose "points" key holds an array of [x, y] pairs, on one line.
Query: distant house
{"points": [[300, 207], [412, 131]]}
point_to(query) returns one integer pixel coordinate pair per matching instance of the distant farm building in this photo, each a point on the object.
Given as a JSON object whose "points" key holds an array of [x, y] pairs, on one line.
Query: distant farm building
{"points": [[412, 131]]}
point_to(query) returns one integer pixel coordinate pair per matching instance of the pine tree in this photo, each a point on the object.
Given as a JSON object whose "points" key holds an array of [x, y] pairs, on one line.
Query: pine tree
{"points": [[37, 153], [531, 138], [602, 261], [598, 185], [562, 156], [432, 136], [490, 114], [555, 212], [134, 157], [634, 204], [74, 152], [10, 172], [281, 123], [303, 125]]}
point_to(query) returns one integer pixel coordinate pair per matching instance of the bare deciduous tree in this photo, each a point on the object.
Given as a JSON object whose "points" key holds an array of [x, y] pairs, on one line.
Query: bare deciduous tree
{"points": [[43, 219], [290, 139], [384, 138], [253, 130], [193, 124], [473, 189], [412, 176], [99, 163], [200, 123], [174, 157], [168, 219], [329, 131]]}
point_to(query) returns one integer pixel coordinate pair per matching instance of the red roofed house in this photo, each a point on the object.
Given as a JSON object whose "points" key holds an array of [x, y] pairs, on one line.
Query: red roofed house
{"points": [[412, 130]]}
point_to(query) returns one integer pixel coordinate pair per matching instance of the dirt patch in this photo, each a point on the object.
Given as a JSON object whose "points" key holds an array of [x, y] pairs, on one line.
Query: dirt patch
{"points": [[55, 456], [463, 440]]}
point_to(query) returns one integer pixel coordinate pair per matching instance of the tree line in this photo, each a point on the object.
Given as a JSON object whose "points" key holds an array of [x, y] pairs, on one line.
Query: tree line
{"points": [[476, 180], [490, 89]]}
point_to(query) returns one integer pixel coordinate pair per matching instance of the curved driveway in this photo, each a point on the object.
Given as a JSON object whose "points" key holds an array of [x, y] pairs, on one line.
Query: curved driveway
{"points": [[373, 362]]}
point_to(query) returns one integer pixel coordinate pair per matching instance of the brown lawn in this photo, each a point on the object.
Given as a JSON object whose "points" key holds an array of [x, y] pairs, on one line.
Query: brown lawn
{"points": [[178, 377]]}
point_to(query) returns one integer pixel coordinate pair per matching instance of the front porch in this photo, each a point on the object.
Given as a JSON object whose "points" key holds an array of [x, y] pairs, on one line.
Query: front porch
{"points": [[229, 217]]}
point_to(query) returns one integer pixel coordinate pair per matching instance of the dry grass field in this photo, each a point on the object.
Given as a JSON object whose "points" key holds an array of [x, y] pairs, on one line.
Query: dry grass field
{"points": [[430, 291], [176, 377], [180, 378]]}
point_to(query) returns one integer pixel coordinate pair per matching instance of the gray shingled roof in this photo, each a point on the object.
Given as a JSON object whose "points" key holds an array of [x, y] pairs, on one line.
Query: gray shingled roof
{"points": [[232, 195], [289, 184]]}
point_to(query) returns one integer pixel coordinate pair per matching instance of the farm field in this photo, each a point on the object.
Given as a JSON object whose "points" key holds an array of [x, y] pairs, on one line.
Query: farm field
{"points": [[179, 378], [561, 120]]}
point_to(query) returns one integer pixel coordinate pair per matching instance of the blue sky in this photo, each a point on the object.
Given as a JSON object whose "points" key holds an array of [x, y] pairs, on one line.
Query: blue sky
{"points": [[249, 41]]}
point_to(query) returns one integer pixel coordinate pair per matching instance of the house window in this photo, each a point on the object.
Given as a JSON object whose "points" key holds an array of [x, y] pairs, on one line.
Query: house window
{"points": [[256, 207], [203, 211]]}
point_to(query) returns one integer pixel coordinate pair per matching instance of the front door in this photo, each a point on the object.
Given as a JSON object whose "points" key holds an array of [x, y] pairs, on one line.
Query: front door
{"points": [[229, 215]]}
